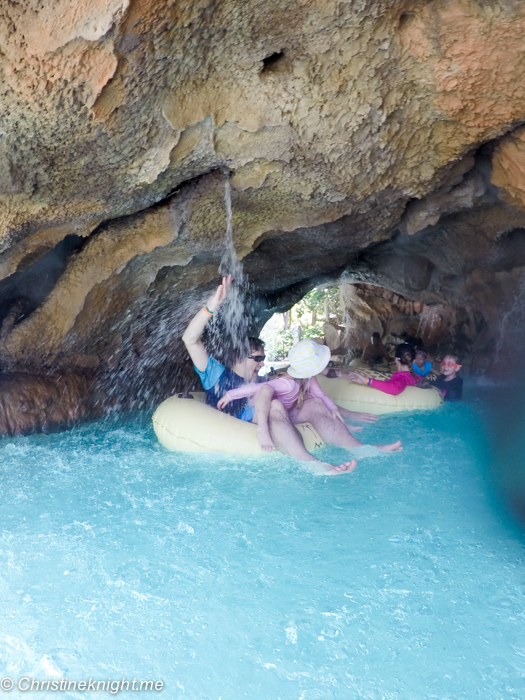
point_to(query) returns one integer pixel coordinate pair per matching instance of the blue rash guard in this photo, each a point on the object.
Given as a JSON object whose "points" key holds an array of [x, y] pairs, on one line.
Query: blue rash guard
{"points": [[217, 380], [427, 368]]}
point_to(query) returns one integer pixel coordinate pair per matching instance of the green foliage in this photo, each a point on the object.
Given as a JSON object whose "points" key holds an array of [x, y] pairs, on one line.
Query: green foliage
{"points": [[315, 331], [283, 342], [315, 301], [279, 342]]}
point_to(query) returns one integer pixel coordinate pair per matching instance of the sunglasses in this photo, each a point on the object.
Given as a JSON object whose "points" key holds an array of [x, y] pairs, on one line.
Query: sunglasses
{"points": [[449, 364], [257, 358]]}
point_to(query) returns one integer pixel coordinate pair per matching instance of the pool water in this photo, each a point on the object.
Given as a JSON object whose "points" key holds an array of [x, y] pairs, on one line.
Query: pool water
{"points": [[230, 577]]}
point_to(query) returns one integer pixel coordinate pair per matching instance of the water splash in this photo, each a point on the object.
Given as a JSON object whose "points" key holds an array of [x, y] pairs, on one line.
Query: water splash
{"points": [[230, 263], [230, 327], [225, 338], [150, 380]]}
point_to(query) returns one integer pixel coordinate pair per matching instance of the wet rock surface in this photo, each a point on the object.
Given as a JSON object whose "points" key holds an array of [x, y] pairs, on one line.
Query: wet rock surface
{"points": [[378, 143], [30, 404]]}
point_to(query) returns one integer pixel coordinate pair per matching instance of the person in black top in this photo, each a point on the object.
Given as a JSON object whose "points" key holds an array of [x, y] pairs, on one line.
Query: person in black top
{"points": [[448, 382]]}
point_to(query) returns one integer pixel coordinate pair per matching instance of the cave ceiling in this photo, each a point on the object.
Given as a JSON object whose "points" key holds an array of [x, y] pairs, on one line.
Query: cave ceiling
{"points": [[373, 141]]}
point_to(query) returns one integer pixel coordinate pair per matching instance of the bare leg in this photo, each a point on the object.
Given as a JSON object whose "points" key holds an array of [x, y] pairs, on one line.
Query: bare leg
{"points": [[331, 430], [262, 413], [288, 440]]}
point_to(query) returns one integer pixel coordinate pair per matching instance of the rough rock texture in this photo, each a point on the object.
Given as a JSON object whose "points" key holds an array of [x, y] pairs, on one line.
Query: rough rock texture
{"points": [[440, 327], [377, 140], [45, 404], [508, 171]]}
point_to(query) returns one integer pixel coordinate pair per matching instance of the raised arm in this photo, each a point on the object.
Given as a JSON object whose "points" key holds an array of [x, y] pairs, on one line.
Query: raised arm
{"points": [[192, 337]]}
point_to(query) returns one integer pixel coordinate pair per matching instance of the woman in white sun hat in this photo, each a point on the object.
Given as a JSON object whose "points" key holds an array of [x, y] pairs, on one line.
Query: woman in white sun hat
{"points": [[296, 397]]}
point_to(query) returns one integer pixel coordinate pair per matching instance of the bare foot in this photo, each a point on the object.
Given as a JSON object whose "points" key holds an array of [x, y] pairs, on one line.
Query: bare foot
{"points": [[354, 428], [265, 440], [393, 447], [343, 468]]}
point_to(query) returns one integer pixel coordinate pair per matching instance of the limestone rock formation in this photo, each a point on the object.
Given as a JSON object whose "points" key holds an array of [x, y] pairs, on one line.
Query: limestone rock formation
{"points": [[439, 327], [376, 140]]}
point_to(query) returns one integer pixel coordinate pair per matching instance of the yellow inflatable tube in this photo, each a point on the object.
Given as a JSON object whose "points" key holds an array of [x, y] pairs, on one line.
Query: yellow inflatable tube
{"points": [[188, 425], [359, 397]]}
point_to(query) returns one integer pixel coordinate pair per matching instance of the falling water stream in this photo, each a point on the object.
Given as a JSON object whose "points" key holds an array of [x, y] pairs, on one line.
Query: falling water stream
{"points": [[511, 328], [232, 323]]}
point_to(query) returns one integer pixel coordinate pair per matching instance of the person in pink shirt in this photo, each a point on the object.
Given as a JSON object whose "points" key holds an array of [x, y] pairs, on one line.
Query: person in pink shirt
{"points": [[297, 392], [398, 382]]}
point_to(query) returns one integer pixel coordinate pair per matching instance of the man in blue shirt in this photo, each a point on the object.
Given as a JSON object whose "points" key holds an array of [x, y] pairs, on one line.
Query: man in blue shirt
{"points": [[215, 377]]}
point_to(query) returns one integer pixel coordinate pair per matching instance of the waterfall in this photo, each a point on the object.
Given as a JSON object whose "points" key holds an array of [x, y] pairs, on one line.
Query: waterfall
{"points": [[230, 327], [511, 330]]}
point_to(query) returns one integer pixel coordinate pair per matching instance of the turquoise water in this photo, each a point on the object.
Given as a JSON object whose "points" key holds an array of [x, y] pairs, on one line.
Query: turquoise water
{"points": [[229, 578]]}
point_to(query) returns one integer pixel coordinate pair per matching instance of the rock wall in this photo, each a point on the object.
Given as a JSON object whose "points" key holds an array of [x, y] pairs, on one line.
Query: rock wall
{"points": [[441, 328], [377, 141]]}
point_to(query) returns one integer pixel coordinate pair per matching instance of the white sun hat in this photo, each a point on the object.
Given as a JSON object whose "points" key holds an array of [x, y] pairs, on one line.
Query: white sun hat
{"points": [[307, 359]]}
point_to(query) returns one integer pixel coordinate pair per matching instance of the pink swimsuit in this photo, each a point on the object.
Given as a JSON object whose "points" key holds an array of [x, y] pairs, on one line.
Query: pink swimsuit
{"points": [[396, 384], [286, 390]]}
